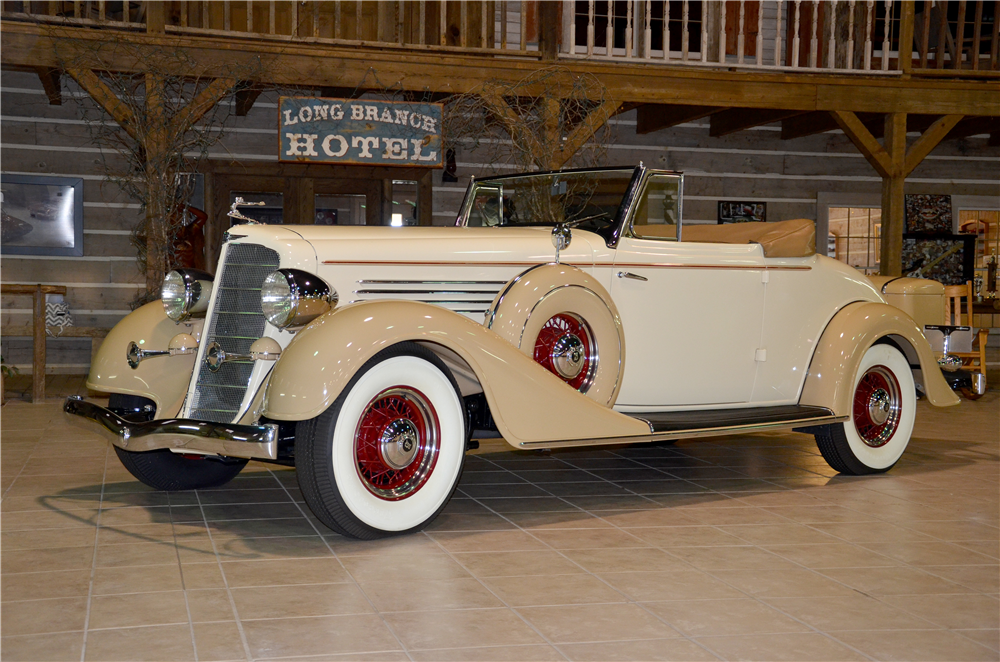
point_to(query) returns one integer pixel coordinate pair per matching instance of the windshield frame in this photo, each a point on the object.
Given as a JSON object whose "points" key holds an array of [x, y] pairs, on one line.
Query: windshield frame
{"points": [[609, 234]]}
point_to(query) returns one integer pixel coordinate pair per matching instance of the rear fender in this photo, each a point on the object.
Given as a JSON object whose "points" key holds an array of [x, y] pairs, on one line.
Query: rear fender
{"points": [[164, 380], [528, 403], [855, 328]]}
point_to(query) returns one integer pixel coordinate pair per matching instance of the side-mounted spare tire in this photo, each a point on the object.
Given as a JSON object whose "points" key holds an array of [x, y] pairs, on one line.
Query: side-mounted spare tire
{"points": [[565, 320], [164, 469]]}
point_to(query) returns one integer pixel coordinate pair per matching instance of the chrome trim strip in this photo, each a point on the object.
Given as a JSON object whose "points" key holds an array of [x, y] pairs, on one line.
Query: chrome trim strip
{"points": [[250, 441], [449, 292], [685, 434], [432, 282]]}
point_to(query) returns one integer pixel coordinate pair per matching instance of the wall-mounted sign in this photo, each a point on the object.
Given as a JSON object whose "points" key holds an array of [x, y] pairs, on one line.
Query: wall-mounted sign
{"points": [[360, 131]]}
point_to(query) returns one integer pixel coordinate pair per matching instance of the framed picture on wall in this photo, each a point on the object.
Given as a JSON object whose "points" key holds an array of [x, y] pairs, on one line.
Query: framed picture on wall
{"points": [[41, 215], [928, 214], [948, 259], [742, 212]]}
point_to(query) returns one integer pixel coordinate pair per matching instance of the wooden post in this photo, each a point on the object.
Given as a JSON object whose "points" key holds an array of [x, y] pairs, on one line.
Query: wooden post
{"points": [[155, 17], [38, 345], [893, 212], [906, 37], [548, 29], [157, 240]]}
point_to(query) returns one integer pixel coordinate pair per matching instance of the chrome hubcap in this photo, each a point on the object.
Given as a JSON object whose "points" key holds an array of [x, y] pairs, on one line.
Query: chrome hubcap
{"points": [[568, 356], [398, 443], [879, 406]]}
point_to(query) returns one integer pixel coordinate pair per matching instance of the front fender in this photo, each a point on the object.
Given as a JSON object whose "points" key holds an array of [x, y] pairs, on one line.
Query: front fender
{"points": [[855, 328], [164, 380], [528, 403]]}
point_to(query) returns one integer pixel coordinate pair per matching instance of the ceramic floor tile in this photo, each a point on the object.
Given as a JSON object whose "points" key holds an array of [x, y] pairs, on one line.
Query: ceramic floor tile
{"points": [[893, 581], [284, 571], [624, 560], [300, 600], [982, 578], [42, 616], [402, 595], [55, 558], [403, 568], [851, 612], [797, 647], [604, 622], [553, 590], [490, 654], [61, 647], [487, 541], [218, 641], [467, 628], [135, 609], [685, 536], [323, 635], [677, 584], [989, 637], [724, 617], [955, 612], [170, 642], [916, 645], [510, 564], [42, 585], [655, 650], [831, 555], [137, 579], [784, 582], [590, 539]]}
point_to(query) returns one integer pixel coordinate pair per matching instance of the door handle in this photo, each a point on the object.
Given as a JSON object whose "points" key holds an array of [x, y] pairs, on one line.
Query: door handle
{"points": [[628, 274]]}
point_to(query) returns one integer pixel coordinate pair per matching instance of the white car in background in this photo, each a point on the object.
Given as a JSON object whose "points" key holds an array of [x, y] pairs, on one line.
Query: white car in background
{"points": [[567, 309]]}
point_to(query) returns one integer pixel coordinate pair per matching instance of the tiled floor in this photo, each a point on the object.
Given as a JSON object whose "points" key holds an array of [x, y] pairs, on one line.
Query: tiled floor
{"points": [[741, 548]]}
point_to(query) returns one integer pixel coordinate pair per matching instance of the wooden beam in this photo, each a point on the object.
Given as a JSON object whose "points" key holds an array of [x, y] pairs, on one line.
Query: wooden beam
{"points": [[974, 126], [201, 104], [448, 70], [652, 117], [506, 115], [106, 99], [51, 84], [807, 124], [245, 98], [927, 141], [549, 26], [740, 119], [584, 131], [156, 17], [866, 143], [339, 92], [893, 199]]}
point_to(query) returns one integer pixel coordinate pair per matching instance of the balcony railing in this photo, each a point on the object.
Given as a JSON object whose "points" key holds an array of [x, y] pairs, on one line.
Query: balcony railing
{"points": [[862, 36]]}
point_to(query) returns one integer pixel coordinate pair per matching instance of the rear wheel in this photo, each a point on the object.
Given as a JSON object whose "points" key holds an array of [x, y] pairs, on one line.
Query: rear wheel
{"points": [[882, 415], [163, 469], [386, 456]]}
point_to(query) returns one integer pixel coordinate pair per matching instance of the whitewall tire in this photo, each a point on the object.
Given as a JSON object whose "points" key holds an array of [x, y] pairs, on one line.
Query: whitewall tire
{"points": [[386, 456], [882, 414]]}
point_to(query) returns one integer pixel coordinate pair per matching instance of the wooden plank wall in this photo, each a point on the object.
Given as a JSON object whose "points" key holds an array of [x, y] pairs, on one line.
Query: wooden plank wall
{"points": [[754, 165]]}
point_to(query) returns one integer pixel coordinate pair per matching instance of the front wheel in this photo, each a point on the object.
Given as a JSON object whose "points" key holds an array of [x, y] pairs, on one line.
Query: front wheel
{"points": [[386, 456], [882, 414]]}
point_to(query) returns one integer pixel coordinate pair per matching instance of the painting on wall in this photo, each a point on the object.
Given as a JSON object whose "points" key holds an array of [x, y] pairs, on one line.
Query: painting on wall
{"points": [[742, 212], [946, 259], [41, 215], [928, 214]]}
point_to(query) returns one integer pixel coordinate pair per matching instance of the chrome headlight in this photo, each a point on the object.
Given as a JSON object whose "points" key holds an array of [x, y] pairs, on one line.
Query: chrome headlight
{"points": [[185, 293], [293, 298]]}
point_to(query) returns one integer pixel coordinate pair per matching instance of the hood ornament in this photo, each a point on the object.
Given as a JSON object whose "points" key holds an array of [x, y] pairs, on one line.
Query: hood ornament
{"points": [[235, 213]]}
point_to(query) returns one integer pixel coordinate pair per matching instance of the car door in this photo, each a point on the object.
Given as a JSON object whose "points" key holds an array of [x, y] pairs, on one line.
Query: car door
{"points": [[692, 312]]}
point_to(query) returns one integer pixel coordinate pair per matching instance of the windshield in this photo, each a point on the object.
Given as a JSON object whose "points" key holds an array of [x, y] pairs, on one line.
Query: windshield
{"points": [[585, 199]]}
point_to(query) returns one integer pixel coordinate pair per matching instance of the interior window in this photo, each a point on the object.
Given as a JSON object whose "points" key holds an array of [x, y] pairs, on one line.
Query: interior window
{"points": [[658, 212]]}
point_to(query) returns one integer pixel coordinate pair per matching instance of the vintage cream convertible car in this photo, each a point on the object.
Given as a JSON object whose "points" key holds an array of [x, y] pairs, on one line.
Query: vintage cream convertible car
{"points": [[371, 358]]}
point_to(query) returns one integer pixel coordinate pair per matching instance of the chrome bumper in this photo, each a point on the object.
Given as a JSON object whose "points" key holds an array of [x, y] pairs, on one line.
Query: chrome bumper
{"points": [[250, 441]]}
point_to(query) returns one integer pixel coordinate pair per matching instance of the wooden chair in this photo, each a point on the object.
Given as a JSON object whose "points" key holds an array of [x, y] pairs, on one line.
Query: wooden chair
{"points": [[975, 360]]}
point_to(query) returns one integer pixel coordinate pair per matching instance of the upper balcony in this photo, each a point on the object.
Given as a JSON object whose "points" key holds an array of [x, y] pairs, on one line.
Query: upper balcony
{"points": [[883, 37]]}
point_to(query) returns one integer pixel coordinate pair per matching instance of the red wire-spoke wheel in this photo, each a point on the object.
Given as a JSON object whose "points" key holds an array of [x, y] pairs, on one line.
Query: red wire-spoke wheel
{"points": [[877, 406], [565, 347], [397, 443]]}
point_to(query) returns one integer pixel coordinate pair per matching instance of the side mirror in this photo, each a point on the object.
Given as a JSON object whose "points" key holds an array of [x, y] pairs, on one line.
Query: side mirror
{"points": [[561, 238]]}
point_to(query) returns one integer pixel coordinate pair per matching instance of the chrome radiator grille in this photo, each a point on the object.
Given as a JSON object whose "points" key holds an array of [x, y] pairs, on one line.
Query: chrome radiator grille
{"points": [[235, 322], [470, 297]]}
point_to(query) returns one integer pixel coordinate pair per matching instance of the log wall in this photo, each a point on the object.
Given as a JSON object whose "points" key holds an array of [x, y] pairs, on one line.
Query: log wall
{"points": [[753, 165]]}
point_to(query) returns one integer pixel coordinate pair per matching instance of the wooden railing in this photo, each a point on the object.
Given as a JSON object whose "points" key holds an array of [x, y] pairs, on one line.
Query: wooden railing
{"points": [[865, 36]]}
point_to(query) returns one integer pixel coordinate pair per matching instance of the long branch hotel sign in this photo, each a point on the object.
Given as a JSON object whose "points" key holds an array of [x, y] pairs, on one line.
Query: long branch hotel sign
{"points": [[360, 131]]}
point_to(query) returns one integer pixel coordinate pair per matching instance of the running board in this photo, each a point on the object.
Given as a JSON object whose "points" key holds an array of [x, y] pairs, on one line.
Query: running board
{"points": [[664, 426]]}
